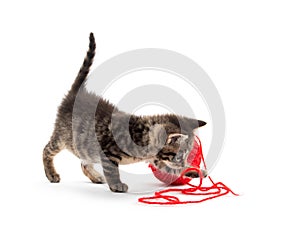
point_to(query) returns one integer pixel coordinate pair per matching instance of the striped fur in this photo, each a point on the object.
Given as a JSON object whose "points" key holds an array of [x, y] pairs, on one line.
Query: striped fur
{"points": [[169, 135]]}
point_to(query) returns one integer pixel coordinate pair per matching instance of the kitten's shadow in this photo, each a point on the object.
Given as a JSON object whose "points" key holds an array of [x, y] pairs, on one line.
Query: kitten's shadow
{"points": [[137, 187], [93, 191]]}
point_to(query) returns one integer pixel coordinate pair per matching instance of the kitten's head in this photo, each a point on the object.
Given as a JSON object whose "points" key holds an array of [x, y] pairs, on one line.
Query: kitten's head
{"points": [[178, 143]]}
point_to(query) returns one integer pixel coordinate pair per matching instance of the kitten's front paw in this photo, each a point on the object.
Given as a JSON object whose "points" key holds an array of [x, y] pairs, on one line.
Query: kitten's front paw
{"points": [[195, 174], [119, 187], [53, 178]]}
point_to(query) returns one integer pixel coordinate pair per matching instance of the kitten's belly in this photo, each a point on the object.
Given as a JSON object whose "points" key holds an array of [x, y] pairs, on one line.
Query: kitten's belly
{"points": [[130, 160]]}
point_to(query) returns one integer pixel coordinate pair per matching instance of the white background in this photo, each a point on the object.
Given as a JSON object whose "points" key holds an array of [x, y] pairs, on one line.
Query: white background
{"points": [[251, 50]]}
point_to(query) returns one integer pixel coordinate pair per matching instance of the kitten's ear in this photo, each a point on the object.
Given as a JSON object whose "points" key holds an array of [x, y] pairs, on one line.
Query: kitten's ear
{"points": [[176, 138], [191, 124], [201, 123]]}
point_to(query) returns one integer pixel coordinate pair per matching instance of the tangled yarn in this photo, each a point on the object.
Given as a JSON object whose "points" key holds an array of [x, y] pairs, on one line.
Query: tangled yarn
{"points": [[195, 159]]}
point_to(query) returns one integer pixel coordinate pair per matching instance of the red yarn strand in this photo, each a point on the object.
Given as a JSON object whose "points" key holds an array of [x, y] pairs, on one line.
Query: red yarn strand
{"points": [[214, 191]]}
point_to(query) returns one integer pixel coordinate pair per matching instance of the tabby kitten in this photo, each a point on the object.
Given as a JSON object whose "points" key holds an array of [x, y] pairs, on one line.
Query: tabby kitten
{"points": [[163, 140]]}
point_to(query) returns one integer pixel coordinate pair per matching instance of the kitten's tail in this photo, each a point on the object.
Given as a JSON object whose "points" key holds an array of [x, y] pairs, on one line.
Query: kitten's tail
{"points": [[85, 68]]}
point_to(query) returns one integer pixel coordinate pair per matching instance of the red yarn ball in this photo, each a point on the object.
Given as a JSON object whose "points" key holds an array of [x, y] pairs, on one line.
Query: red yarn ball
{"points": [[194, 160]]}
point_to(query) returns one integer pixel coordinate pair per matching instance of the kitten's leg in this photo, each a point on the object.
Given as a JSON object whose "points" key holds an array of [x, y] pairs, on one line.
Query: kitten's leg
{"points": [[112, 175], [50, 150], [91, 173]]}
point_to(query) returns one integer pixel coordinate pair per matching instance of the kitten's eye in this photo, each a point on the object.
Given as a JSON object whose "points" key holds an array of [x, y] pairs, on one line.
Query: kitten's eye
{"points": [[173, 140]]}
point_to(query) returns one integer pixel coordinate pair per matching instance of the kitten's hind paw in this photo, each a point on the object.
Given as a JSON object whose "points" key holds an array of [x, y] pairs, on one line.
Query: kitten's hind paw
{"points": [[119, 187], [98, 180]]}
